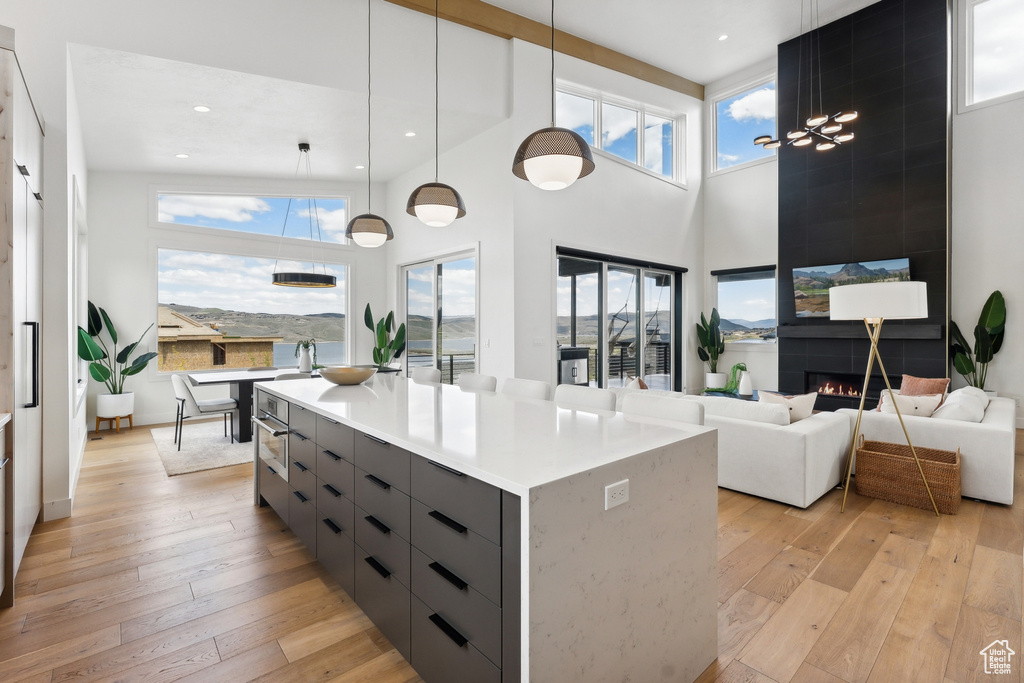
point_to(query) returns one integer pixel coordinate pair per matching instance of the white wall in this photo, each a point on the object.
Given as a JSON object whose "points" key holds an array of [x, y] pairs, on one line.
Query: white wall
{"points": [[123, 242]]}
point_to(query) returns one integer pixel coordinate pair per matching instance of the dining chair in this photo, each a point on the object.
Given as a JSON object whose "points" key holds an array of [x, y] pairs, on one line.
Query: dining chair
{"points": [[526, 388], [425, 374], [293, 375], [582, 396], [188, 407], [474, 381], [663, 407]]}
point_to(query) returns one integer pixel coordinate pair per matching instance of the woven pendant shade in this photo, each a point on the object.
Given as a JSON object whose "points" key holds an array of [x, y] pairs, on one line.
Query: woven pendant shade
{"points": [[368, 230], [553, 158], [436, 204]]}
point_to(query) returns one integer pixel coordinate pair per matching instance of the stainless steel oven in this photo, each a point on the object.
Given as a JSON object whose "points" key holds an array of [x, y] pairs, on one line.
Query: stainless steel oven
{"points": [[271, 432]]}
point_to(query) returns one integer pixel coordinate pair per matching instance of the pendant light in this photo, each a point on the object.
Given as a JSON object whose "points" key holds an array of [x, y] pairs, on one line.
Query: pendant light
{"points": [[367, 229], [553, 158], [436, 204], [312, 278]]}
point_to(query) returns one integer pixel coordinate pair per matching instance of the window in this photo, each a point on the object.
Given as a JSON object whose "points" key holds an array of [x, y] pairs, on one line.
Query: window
{"points": [[995, 54], [441, 315], [620, 125], [746, 304], [221, 311], [739, 118], [258, 215]]}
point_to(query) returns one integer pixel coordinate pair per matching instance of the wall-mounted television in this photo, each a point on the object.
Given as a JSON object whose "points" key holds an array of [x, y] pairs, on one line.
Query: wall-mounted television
{"points": [[810, 285]]}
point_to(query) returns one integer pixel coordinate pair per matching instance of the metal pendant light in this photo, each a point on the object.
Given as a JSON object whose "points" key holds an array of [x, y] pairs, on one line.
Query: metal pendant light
{"points": [[367, 229], [436, 204], [313, 278], [553, 158]]}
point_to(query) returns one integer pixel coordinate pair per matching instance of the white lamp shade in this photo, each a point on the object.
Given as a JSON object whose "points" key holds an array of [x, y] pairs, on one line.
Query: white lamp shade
{"points": [[369, 239], [890, 300], [553, 171], [436, 215]]}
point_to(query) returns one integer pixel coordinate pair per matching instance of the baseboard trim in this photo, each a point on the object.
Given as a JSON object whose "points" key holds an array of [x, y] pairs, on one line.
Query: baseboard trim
{"points": [[57, 509]]}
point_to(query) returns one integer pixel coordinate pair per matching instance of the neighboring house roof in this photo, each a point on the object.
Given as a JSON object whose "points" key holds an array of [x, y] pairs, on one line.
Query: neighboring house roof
{"points": [[173, 326]]}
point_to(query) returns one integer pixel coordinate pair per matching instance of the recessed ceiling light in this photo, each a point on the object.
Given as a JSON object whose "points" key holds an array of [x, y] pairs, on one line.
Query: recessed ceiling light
{"points": [[410, 134], [201, 108], [723, 37], [360, 167], [181, 156]]}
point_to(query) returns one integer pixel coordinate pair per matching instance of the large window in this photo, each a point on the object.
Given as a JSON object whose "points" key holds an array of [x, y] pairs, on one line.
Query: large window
{"points": [[441, 315], [258, 215], [995, 52], [738, 119], [746, 304], [632, 132], [221, 311]]}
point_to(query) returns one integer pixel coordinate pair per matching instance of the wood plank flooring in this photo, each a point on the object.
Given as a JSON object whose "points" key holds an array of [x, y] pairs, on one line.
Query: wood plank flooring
{"points": [[163, 579]]}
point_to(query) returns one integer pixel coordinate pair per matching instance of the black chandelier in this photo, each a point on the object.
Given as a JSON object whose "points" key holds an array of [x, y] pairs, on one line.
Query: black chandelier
{"points": [[311, 278]]}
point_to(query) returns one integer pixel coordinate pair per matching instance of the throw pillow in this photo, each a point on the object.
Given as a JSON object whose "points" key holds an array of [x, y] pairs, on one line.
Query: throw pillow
{"points": [[800, 407], [922, 406], [637, 383], [964, 405], [922, 386]]}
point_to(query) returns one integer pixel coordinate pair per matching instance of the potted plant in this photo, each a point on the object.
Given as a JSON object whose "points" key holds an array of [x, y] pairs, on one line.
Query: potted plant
{"points": [[712, 346], [386, 348], [988, 338], [109, 365], [302, 350]]}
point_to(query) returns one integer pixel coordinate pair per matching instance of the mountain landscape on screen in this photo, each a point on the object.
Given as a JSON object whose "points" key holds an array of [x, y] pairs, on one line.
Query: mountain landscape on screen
{"points": [[811, 285]]}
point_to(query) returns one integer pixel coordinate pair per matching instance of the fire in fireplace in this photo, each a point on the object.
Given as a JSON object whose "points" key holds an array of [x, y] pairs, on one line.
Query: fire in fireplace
{"points": [[837, 389]]}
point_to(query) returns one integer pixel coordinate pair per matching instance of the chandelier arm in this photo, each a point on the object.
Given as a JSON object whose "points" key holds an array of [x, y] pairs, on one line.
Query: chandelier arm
{"points": [[437, 143]]}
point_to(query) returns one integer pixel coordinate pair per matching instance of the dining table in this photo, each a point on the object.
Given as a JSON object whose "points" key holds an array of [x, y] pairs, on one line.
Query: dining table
{"points": [[241, 388]]}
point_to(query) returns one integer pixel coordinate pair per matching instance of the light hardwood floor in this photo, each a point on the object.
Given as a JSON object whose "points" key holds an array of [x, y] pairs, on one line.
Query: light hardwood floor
{"points": [[160, 579]]}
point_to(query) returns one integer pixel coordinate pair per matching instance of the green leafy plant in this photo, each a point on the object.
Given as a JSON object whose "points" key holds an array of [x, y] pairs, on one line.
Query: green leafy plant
{"points": [[386, 348], [309, 344], [711, 340], [988, 339], [106, 363]]}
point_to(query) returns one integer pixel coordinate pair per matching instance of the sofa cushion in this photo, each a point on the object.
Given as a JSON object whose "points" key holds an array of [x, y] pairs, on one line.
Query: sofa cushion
{"points": [[922, 406], [798, 407], [923, 386], [637, 383], [751, 411], [966, 405]]}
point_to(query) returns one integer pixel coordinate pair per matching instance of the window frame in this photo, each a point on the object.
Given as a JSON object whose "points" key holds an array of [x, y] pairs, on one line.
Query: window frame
{"points": [[678, 131], [751, 270], [965, 62], [713, 99]]}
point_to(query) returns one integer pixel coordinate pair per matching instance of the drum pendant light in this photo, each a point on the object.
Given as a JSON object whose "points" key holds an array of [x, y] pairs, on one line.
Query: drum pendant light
{"points": [[553, 158], [367, 229], [312, 278], [436, 204]]}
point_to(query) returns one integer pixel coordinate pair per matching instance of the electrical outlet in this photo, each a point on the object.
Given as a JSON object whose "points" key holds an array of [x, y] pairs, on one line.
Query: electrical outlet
{"points": [[616, 494]]}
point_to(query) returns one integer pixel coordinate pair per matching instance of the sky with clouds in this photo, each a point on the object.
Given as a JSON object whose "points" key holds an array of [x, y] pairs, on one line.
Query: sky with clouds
{"points": [[998, 48], [739, 120], [259, 215]]}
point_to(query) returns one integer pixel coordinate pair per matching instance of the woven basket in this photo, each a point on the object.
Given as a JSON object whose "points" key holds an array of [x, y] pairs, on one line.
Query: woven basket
{"points": [[887, 471]]}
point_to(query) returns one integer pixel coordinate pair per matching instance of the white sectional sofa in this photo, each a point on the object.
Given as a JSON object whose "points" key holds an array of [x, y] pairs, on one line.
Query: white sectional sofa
{"points": [[986, 447]]}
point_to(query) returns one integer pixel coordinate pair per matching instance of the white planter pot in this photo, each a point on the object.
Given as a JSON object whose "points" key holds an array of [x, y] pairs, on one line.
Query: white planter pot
{"points": [[715, 380], [115, 405], [305, 363], [746, 387]]}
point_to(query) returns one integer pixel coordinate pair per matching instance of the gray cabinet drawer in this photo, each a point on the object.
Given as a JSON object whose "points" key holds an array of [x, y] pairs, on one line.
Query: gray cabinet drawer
{"points": [[274, 490], [339, 508], [333, 436], [469, 612], [385, 546], [302, 518], [302, 478], [302, 421], [383, 501], [303, 450], [336, 552], [440, 659], [469, 555], [468, 501], [383, 460], [333, 469], [384, 599]]}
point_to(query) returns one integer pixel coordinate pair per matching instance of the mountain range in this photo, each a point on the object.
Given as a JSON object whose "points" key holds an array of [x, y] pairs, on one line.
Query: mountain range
{"points": [[848, 274]]}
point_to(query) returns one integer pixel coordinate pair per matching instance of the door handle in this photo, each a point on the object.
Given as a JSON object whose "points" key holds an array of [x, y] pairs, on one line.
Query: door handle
{"points": [[35, 365]]}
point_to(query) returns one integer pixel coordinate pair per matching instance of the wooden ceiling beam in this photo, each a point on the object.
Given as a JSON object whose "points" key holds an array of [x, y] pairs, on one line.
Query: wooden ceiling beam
{"points": [[499, 22]]}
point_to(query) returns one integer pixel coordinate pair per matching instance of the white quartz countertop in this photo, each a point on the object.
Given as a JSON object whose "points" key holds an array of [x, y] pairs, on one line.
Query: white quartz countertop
{"points": [[513, 443]]}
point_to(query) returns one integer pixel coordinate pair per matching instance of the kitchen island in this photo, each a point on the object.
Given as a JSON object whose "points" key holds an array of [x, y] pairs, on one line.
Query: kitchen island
{"points": [[472, 527]]}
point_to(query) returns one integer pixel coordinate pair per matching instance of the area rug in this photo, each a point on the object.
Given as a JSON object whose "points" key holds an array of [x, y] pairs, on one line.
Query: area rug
{"points": [[204, 448]]}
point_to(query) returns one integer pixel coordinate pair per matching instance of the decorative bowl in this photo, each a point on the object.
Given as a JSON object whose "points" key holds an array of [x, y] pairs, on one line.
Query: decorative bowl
{"points": [[348, 374]]}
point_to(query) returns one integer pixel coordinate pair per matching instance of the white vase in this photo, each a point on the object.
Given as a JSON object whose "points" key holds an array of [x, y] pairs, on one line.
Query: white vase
{"points": [[305, 363], [115, 405], [715, 380], [746, 387]]}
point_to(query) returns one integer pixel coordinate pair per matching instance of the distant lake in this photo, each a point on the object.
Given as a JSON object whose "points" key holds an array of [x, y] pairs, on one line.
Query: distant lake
{"points": [[333, 353]]}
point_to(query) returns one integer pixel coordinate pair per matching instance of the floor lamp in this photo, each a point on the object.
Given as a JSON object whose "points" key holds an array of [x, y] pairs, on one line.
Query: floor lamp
{"points": [[873, 303]]}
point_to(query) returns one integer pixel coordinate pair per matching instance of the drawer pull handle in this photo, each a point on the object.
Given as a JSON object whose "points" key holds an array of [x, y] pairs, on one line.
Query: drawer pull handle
{"points": [[327, 419], [448, 576], [378, 482], [300, 436], [302, 498], [377, 524], [333, 491], [271, 470], [382, 442], [7, 460], [448, 630], [331, 525], [448, 522], [378, 567], [302, 468], [447, 469], [332, 455]]}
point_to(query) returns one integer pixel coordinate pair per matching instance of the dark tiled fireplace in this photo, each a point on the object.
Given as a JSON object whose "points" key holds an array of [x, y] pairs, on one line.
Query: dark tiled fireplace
{"points": [[842, 390]]}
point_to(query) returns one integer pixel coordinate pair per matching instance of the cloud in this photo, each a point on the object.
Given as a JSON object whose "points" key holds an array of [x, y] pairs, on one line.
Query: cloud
{"points": [[731, 158], [756, 106], [998, 52], [214, 207], [616, 123], [333, 222], [572, 111]]}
